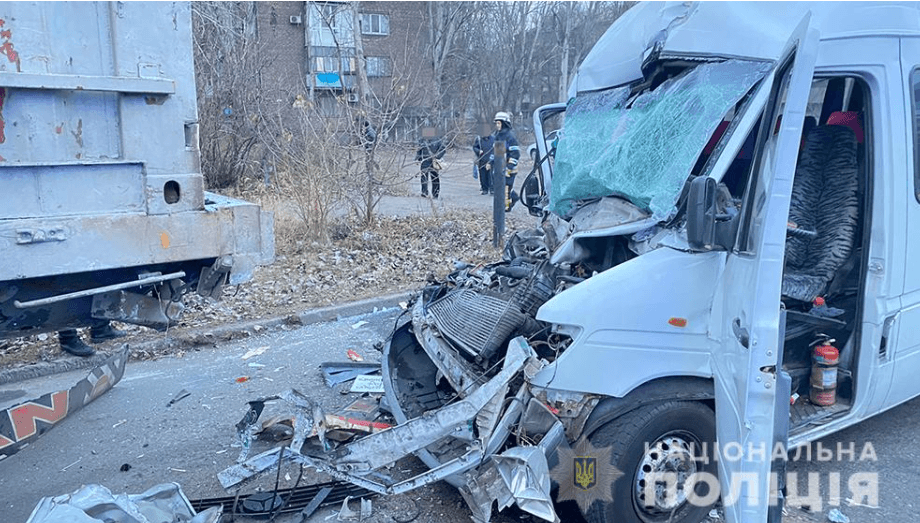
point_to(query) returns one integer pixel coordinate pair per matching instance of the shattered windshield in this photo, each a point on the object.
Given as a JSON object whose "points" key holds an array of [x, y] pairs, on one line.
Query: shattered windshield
{"points": [[643, 149]]}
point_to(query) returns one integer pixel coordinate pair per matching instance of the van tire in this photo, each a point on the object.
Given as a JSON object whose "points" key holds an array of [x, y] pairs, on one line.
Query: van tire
{"points": [[677, 423]]}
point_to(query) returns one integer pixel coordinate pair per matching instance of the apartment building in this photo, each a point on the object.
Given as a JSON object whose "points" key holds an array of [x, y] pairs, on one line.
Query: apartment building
{"points": [[311, 54]]}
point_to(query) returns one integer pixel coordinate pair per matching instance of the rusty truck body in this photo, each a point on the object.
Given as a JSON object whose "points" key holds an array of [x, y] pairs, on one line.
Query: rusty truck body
{"points": [[103, 209]]}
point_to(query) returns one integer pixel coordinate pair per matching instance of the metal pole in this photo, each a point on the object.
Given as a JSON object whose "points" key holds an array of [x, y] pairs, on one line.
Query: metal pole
{"points": [[498, 195], [98, 290]]}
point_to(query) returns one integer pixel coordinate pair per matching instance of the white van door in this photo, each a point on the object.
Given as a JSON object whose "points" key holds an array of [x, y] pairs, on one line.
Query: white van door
{"points": [[746, 309], [902, 329]]}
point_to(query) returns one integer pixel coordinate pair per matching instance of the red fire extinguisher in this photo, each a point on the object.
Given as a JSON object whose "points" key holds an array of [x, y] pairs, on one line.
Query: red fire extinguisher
{"points": [[824, 373]]}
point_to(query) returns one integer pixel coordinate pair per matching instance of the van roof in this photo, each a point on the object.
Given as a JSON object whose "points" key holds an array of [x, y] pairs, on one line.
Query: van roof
{"points": [[757, 30]]}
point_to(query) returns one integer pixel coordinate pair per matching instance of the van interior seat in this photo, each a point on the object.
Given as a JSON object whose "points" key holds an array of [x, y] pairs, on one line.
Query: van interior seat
{"points": [[824, 201], [847, 119]]}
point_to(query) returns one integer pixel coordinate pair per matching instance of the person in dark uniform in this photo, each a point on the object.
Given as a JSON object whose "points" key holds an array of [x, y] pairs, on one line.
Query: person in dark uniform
{"points": [[482, 146], [100, 331], [428, 152]]}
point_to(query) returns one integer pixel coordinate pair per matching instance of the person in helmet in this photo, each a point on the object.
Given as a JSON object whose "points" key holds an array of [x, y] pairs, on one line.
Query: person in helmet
{"points": [[503, 133]]}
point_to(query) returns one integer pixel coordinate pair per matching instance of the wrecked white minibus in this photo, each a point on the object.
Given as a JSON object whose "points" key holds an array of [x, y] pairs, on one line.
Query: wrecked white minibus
{"points": [[721, 271]]}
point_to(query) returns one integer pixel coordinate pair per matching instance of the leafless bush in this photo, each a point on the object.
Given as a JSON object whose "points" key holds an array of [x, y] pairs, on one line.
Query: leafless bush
{"points": [[310, 162], [228, 70]]}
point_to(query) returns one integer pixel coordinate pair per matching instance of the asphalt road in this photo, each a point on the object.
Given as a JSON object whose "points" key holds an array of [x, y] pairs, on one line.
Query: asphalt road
{"points": [[889, 444], [192, 440], [131, 427]]}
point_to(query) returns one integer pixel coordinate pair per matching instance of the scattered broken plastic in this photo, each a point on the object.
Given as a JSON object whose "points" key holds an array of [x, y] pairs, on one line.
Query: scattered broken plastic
{"points": [[360, 417], [72, 464], [835, 516], [852, 503], [96, 503], [66, 401], [346, 514], [335, 372], [246, 429], [255, 352], [517, 476], [353, 356], [315, 503], [182, 394], [365, 383], [359, 324]]}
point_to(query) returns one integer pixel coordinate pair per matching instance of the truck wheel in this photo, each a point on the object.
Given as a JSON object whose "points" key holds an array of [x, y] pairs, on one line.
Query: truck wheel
{"points": [[659, 438]]}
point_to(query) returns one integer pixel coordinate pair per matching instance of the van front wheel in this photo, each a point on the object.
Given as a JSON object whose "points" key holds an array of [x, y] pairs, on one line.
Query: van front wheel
{"points": [[658, 452]]}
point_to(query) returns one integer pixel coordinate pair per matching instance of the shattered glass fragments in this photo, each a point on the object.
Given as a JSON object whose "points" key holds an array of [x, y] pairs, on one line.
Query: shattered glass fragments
{"points": [[644, 149]]}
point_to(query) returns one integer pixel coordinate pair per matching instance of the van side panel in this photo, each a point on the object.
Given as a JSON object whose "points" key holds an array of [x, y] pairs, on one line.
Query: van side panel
{"points": [[903, 345]]}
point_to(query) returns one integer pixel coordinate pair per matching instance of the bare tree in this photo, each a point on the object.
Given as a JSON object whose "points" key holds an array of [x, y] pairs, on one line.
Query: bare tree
{"points": [[307, 175], [577, 26], [446, 20], [511, 55], [228, 66]]}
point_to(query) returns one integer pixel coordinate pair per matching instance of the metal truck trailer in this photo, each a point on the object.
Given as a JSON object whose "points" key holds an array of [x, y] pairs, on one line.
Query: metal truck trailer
{"points": [[103, 212]]}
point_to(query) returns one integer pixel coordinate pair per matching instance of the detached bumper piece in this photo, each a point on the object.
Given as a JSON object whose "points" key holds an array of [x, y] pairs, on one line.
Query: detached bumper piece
{"points": [[482, 420], [22, 423]]}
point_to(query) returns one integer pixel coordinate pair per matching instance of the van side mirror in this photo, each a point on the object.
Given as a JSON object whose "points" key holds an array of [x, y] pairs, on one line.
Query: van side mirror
{"points": [[706, 228], [532, 192]]}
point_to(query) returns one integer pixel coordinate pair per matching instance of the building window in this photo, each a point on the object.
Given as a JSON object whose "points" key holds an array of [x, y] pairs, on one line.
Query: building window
{"points": [[327, 14], [348, 65], [327, 64], [324, 64], [378, 66], [333, 60], [375, 24]]}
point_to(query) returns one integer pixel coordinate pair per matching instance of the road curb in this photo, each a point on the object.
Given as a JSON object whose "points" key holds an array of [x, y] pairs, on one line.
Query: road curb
{"points": [[208, 335]]}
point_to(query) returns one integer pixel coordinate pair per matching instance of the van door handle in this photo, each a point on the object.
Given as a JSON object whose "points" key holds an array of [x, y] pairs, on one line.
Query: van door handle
{"points": [[742, 334]]}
